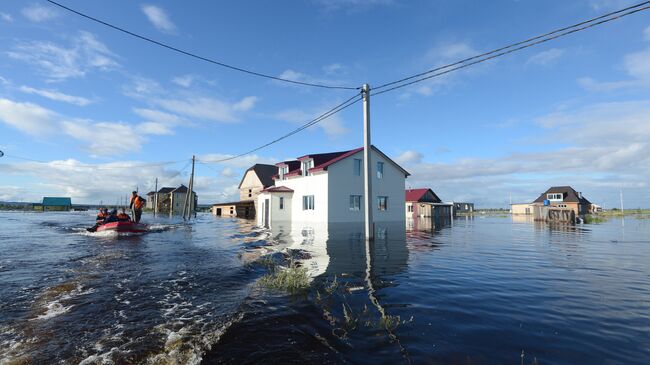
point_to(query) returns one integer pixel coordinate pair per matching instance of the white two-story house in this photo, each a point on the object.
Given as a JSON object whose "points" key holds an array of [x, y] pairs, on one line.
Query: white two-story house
{"points": [[328, 188]]}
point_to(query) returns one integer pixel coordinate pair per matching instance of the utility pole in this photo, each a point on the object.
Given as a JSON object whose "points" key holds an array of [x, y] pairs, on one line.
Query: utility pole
{"points": [[367, 165], [622, 211], [188, 196], [155, 198]]}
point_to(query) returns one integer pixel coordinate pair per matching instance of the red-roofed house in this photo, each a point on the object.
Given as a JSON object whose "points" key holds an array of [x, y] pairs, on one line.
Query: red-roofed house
{"points": [[424, 203], [328, 188]]}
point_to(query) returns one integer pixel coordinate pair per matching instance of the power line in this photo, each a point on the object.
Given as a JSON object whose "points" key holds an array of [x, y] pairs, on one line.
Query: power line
{"points": [[522, 45], [344, 105], [194, 55]]}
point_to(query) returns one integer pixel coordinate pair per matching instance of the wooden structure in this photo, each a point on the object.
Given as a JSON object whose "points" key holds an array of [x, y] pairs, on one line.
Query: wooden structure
{"points": [[547, 213], [424, 203], [241, 209], [54, 204], [256, 178]]}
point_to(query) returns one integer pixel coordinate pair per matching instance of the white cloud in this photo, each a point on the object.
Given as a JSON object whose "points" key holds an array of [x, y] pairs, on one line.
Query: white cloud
{"points": [[409, 157], [302, 77], [184, 81], [58, 63], [158, 116], [6, 17], [333, 69], [153, 128], [103, 138], [207, 108], [40, 13], [26, 117], [351, 5], [602, 5], [159, 18], [86, 183], [333, 126], [546, 58], [245, 104], [606, 146], [57, 96], [243, 162], [638, 64]]}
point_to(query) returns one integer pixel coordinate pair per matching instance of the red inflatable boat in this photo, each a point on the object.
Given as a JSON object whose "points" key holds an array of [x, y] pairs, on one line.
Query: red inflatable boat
{"points": [[130, 227]]}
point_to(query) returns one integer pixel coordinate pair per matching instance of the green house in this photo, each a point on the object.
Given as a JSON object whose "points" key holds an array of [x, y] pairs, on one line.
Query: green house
{"points": [[55, 204]]}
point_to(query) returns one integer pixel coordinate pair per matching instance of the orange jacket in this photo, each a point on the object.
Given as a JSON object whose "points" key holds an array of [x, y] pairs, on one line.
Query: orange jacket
{"points": [[137, 202], [123, 216]]}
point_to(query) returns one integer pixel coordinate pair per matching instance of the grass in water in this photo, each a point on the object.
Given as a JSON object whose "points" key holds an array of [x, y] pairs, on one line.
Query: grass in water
{"points": [[592, 218], [292, 279]]}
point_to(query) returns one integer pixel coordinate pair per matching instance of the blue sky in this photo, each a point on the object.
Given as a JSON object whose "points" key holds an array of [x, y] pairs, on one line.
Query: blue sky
{"points": [[96, 104]]}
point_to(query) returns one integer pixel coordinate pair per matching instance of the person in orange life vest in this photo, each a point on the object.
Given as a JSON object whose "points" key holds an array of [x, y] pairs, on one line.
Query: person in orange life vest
{"points": [[103, 213], [137, 203], [123, 217]]}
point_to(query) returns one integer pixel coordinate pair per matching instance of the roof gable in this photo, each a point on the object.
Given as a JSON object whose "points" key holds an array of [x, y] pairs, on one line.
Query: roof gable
{"points": [[264, 172], [569, 195], [421, 195]]}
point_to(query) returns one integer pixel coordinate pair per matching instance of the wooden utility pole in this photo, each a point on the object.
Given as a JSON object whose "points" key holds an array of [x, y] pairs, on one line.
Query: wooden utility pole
{"points": [[367, 165], [188, 208], [155, 198]]}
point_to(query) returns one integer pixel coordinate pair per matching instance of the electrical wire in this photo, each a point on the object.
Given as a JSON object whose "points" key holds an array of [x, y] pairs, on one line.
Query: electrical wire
{"points": [[523, 44], [344, 105], [196, 56]]}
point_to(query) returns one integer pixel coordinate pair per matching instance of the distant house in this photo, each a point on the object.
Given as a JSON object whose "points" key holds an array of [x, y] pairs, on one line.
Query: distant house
{"points": [[425, 203], [521, 209], [463, 207], [54, 204], [257, 178], [329, 188], [564, 197], [169, 198]]}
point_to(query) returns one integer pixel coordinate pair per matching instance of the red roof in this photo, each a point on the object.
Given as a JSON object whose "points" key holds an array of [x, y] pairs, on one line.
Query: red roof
{"points": [[278, 189], [413, 195], [323, 160]]}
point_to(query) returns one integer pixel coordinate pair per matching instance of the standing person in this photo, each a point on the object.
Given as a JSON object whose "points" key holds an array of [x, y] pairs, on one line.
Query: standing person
{"points": [[137, 203]]}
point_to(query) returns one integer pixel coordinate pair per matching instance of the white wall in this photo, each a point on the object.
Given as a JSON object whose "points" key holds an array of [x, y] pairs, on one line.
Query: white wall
{"points": [[315, 185]]}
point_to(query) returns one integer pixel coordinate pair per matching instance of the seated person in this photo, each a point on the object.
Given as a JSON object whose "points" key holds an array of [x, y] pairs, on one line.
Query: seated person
{"points": [[123, 217], [111, 217], [103, 213]]}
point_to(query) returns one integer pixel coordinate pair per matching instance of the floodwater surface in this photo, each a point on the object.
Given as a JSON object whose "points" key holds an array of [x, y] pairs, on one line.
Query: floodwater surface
{"points": [[483, 290]]}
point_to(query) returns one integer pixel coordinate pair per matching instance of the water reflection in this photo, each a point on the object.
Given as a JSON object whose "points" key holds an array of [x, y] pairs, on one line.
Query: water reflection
{"points": [[340, 248]]}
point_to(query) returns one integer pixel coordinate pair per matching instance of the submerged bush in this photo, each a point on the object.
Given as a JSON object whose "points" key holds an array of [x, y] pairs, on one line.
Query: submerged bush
{"points": [[291, 279]]}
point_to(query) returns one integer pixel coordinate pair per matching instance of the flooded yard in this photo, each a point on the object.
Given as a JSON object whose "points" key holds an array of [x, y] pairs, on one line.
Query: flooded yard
{"points": [[481, 290]]}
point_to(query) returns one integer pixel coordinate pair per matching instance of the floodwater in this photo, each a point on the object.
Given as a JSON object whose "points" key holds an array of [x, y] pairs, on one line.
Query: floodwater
{"points": [[482, 290]]}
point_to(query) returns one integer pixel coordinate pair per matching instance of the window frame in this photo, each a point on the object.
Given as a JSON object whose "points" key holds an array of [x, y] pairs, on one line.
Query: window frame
{"points": [[281, 202], [355, 203], [380, 171], [306, 165], [308, 202], [379, 203], [357, 166]]}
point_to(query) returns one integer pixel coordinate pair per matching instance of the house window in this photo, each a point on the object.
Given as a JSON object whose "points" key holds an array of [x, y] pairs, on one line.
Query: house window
{"points": [[410, 208], [355, 202], [561, 205], [283, 171], [281, 202], [556, 196], [382, 202], [250, 193], [380, 170], [306, 165], [308, 202], [357, 167]]}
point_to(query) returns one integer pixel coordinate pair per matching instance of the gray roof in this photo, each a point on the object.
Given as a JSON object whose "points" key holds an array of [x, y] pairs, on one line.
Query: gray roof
{"points": [[569, 194], [165, 190], [264, 172]]}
